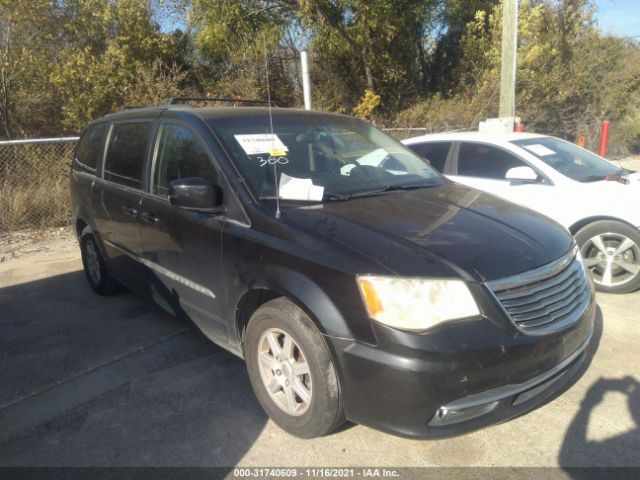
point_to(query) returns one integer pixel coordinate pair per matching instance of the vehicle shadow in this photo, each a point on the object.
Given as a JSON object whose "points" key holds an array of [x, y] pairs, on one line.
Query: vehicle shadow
{"points": [[88, 380], [583, 458], [578, 449]]}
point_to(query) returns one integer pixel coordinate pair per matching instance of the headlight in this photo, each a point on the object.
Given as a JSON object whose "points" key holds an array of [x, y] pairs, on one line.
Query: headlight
{"points": [[415, 303]]}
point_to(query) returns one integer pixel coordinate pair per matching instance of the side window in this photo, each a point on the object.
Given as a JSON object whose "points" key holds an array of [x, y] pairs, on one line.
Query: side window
{"points": [[485, 161], [181, 155], [435, 152], [90, 148], [127, 153]]}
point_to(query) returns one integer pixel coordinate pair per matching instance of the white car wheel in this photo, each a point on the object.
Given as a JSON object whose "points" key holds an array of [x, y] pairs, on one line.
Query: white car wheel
{"points": [[611, 253]]}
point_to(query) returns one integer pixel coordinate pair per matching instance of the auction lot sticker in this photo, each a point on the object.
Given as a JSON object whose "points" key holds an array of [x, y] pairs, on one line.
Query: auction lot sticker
{"points": [[255, 144]]}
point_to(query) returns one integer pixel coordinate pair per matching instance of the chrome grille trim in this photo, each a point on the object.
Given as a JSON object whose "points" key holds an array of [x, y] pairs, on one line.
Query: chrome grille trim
{"points": [[524, 290], [547, 299]]}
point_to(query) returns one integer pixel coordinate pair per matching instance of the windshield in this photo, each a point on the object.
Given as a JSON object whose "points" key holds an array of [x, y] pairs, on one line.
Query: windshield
{"points": [[570, 160], [343, 155]]}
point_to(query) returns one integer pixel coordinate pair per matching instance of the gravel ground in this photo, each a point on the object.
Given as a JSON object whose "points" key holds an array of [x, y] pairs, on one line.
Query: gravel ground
{"points": [[26, 243], [632, 163]]}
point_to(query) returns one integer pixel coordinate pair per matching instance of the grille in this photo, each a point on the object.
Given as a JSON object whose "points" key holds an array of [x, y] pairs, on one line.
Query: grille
{"points": [[546, 299]]}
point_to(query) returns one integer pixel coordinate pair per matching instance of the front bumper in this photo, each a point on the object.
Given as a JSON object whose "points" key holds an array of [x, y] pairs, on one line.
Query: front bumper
{"points": [[462, 377]]}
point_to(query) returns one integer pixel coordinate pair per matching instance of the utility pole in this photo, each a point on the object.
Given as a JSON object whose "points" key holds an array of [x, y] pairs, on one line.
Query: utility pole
{"points": [[509, 47]]}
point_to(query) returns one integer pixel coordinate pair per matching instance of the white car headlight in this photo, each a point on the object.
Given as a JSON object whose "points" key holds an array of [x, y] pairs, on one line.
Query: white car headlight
{"points": [[415, 303]]}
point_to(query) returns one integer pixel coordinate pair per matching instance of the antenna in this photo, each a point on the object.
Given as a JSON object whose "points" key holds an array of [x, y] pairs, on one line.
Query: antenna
{"points": [[275, 168]]}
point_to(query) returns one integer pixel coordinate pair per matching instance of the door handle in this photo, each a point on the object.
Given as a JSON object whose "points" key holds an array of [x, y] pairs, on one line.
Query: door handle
{"points": [[130, 211], [150, 217]]}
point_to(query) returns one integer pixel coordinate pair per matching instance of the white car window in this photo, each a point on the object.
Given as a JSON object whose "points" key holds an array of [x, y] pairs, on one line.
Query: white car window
{"points": [[485, 161], [568, 159], [435, 152]]}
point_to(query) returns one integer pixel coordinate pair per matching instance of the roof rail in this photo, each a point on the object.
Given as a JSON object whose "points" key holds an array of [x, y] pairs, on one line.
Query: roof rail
{"points": [[133, 107], [177, 100]]}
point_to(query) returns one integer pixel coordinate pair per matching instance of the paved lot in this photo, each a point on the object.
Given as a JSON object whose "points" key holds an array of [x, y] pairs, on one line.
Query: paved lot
{"points": [[93, 381]]}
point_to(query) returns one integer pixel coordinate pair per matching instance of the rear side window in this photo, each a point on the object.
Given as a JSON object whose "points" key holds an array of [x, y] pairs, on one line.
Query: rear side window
{"points": [[127, 153], [90, 148], [485, 161], [181, 155], [435, 152]]}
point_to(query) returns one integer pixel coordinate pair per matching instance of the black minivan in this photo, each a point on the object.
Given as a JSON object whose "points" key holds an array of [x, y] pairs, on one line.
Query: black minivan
{"points": [[356, 282]]}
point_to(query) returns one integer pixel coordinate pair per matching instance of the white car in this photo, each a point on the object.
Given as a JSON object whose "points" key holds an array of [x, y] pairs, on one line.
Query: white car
{"points": [[596, 200]]}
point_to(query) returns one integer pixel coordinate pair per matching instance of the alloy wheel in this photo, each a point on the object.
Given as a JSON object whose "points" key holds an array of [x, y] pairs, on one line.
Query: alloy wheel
{"points": [[284, 371], [612, 258]]}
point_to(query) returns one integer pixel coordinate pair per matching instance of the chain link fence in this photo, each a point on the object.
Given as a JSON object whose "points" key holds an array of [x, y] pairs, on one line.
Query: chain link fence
{"points": [[34, 183]]}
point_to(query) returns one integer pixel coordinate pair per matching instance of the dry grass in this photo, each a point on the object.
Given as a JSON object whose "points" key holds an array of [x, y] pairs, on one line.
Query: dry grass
{"points": [[42, 204], [34, 185]]}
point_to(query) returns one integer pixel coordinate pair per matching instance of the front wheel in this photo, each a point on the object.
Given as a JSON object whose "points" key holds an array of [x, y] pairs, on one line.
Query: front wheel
{"points": [[291, 370], [611, 253]]}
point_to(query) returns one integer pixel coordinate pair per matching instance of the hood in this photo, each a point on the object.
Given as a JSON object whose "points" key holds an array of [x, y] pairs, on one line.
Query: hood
{"points": [[634, 177], [439, 230], [632, 188]]}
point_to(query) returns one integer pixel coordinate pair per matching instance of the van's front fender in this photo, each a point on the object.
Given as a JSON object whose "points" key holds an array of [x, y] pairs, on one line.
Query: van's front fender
{"points": [[333, 302]]}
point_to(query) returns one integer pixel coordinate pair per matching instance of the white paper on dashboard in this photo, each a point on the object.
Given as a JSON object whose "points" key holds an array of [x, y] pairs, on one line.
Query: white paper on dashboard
{"points": [[539, 150], [255, 144], [292, 188]]}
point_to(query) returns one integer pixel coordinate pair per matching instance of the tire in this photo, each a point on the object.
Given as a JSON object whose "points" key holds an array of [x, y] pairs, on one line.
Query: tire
{"points": [[95, 269], [611, 252], [276, 321]]}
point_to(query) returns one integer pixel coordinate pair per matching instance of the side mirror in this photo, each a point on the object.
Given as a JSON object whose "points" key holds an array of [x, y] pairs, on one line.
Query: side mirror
{"points": [[195, 193], [524, 174]]}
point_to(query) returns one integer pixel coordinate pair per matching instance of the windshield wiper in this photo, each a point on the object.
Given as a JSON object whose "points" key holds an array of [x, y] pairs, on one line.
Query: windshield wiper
{"points": [[593, 178], [371, 193], [617, 176]]}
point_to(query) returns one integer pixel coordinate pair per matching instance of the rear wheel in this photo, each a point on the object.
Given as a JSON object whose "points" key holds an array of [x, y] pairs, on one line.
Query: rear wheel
{"points": [[291, 370], [95, 268], [611, 253]]}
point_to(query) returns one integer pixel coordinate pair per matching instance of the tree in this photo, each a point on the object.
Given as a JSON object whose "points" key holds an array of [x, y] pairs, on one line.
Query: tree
{"points": [[111, 48], [28, 37], [570, 76], [63, 63], [356, 45], [463, 34], [232, 38], [370, 44]]}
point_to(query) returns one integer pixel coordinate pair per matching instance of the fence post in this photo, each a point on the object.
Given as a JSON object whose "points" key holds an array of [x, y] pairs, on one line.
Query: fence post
{"points": [[306, 80], [604, 138]]}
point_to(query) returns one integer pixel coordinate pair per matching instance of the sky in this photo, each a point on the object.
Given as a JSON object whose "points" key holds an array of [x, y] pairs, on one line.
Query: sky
{"points": [[620, 17]]}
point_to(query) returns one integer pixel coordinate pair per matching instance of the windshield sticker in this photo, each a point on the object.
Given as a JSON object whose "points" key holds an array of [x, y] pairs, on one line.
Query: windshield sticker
{"points": [[292, 188], [277, 152], [539, 150], [255, 144]]}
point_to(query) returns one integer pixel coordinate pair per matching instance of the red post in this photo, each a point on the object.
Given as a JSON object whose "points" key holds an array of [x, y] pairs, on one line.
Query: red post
{"points": [[520, 127], [604, 138], [581, 141]]}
